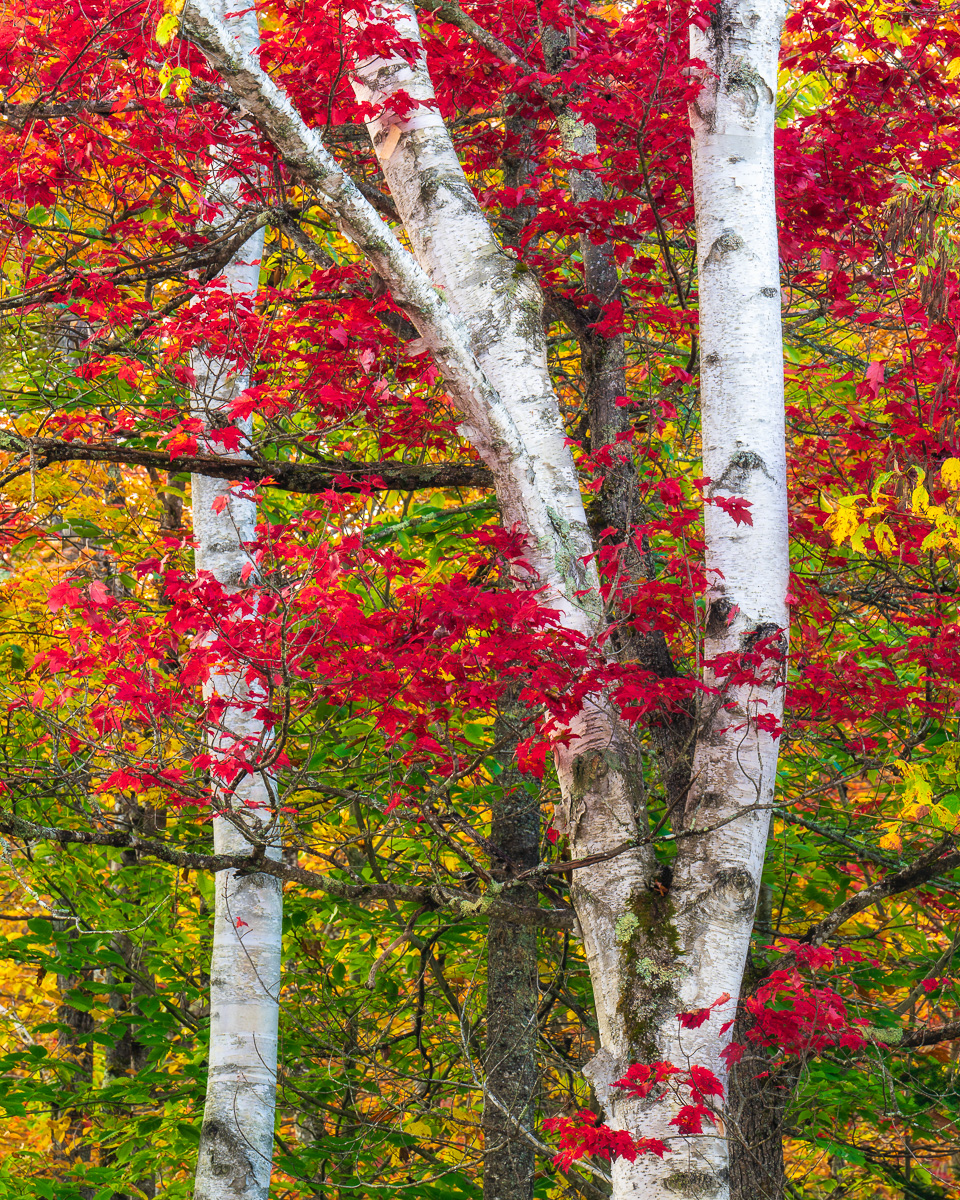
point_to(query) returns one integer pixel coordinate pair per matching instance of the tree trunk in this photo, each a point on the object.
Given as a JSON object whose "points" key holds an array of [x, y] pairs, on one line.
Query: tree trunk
{"points": [[236, 1139], [127, 1055], [716, 875], [760, 1094], [513, 990], [75, 1052]]}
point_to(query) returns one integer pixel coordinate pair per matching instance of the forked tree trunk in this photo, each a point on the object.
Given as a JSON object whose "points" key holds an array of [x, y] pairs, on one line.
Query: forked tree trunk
{"points": [[650, 956], [236, 1140], [686, 953]]}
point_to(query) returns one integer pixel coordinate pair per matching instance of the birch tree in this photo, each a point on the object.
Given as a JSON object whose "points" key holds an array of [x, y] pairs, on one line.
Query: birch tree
{"points": [[236, 1137], [481, 318]]}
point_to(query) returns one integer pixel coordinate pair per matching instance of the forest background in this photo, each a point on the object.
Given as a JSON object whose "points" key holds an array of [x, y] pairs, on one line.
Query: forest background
{"points": [[411, 692]]}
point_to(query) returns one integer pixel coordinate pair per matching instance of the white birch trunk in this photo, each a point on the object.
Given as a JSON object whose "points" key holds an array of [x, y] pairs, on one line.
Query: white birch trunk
{"points": [[717, 874], [236, 1141], [480, 315]]}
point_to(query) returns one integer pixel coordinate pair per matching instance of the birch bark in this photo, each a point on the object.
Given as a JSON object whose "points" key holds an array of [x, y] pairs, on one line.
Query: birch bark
{"points": [[717, 872], [236, 1140], [479, 312]]}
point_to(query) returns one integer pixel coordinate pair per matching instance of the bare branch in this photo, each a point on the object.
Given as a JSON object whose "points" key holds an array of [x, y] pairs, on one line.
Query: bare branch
{"points": [[931, 1035], [942, 858], [437, 898], [335, 474]]}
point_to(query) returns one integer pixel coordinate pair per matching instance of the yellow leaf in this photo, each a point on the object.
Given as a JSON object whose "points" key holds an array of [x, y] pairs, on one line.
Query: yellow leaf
{"points": [[174, 79], [933, 541], [950, 471], [842, 524], [953, 68], [886, 542], [918, 790], [167, 27], [920, 500], [891, 840], [881, 479]]}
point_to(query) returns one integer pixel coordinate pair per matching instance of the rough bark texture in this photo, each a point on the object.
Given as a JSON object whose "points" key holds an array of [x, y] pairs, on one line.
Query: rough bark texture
{"points": [[513, 992], [756, 1115], [236, 1138]]}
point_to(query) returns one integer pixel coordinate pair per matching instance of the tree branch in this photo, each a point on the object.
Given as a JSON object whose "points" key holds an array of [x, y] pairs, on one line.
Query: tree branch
{"points": [[931, 1035], [942, 858], [335, 474], [454, 15], [460, 904]]}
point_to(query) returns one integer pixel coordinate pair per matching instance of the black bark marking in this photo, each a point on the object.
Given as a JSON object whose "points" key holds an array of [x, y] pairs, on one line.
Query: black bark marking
{"points": [[228, 1157], [760, 632], [728, 242], [738, 887], [718, 617], [697, 1185], [735, 478]]}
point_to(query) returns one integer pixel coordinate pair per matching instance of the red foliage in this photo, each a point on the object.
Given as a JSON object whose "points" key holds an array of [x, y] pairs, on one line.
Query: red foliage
{"points": [[585, 1135]]}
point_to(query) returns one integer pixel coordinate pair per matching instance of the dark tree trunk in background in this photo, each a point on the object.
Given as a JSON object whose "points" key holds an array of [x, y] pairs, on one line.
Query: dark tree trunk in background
{"points": [[512, 1068], [760, 1092], [75, 1055], [758, 1108], [128, 1056]]}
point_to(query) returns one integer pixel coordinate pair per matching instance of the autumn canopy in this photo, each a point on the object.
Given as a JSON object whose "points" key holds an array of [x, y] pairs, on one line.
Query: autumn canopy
{"points": [[479, 600]]}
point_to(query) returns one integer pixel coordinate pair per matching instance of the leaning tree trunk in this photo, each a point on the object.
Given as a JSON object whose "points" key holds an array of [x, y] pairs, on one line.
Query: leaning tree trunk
{"points": [[481, 317], [236, 1139]]}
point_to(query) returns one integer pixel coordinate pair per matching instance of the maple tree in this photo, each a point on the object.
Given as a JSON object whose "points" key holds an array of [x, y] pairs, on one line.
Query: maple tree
{"points": [[397, 289]]}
